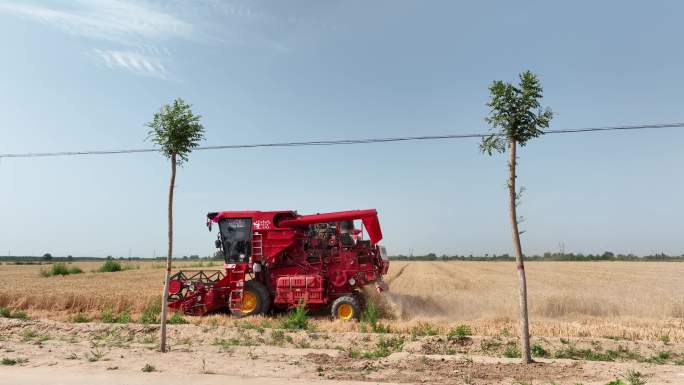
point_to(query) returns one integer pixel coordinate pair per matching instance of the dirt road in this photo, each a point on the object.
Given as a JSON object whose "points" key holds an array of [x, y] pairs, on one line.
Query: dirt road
{"points": [[54, 353], [69, 376]]}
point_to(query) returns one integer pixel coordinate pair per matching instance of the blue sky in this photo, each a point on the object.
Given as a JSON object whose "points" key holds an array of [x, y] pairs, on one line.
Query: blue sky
{"points": [[89, 75]]}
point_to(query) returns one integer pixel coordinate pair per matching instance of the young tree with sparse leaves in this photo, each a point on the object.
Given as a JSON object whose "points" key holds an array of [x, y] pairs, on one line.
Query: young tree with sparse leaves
{"points": [[517, 116], [177, 131]]}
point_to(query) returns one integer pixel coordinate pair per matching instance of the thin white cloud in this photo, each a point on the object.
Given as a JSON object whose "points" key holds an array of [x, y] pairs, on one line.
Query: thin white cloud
{"points": [[110, 20], [139, 29], [133, 62], [133, 35]]}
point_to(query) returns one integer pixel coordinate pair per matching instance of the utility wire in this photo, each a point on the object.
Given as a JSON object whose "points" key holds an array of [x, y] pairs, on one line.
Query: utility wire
{"points": [[341, 141]]}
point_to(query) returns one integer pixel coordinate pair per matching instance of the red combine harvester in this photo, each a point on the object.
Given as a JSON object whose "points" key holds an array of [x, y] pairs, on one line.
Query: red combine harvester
{"points": [[317, 260]]}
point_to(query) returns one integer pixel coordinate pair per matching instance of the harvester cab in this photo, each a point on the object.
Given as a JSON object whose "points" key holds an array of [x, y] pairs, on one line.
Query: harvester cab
{"points": [[280, 259], [235, 239]]}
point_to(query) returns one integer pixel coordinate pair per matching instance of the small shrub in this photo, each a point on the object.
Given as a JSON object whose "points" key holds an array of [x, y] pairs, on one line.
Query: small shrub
{"points": [[625, 353], [29, 334], [370, 315], [616, 382], [123, 318], [110, 267], [539, 351], [177, 319], [60, 269], [226, 345], [80, 318], [148, 368], [245, 325], [460, 334], [512, 351], [149, 339], [9, 361], [298, 319], [659, 358], [96, 355], [665, 339], [303, 344], [19, 314], [5, 312], [151, 313], [107, 316], [278, 337], [635, 378], [424, 329], [385, 347], [488, 345], [590, 355]]}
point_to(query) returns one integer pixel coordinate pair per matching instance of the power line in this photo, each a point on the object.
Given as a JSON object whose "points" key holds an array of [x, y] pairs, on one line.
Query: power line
{"points": [[339, 142]]}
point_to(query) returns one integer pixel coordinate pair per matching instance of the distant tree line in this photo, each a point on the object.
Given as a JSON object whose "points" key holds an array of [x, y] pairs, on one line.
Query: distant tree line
{"points": [[49, 258], [548, 256]]}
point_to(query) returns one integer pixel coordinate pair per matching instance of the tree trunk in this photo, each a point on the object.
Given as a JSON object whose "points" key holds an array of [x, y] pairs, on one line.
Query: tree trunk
{"points": [[524, 323], [165, 309]]}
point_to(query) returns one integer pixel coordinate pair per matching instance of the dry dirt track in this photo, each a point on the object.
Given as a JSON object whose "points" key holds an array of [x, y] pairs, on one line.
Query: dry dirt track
{"points": [[64, 376], [51, 352], [69, 376]]}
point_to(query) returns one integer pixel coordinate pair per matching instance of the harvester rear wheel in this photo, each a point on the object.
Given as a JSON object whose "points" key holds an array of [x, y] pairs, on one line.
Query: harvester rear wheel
{"points": [[255, 299], [346, 308]]}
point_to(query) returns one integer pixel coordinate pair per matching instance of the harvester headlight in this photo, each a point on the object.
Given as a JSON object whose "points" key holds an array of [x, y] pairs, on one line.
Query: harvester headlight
{"points": [[352, 281]]}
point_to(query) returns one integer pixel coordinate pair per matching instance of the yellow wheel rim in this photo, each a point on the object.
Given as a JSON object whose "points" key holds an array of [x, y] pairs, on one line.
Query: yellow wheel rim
{"points": [[345, 311], [249, 302]]}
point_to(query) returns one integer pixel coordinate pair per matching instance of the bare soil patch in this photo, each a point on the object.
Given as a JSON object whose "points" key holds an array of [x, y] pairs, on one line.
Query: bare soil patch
{"points": [[245, 352]]}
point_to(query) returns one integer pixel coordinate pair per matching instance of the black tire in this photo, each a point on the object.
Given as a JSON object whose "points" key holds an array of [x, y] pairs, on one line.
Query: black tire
{"points": [[341, 306], [262, 295]]}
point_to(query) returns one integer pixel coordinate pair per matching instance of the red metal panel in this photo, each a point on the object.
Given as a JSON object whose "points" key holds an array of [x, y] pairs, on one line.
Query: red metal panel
{"points": [[261, 220], [372, 224], [268, 220], [327, 217], [369, 218], [293, 289]]}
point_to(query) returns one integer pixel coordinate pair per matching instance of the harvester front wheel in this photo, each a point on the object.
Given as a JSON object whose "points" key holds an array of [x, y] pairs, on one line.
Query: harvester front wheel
{"points": [[346, 308], [255, 299]]}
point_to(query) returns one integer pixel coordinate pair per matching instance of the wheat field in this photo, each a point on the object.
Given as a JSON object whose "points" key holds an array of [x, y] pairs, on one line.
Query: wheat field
{"points": [[635, 300]]}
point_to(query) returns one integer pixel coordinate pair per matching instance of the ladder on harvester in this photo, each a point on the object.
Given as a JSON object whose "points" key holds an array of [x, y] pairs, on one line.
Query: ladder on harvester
{"points": [[235, 300], [238, 278], [257, 246]]}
